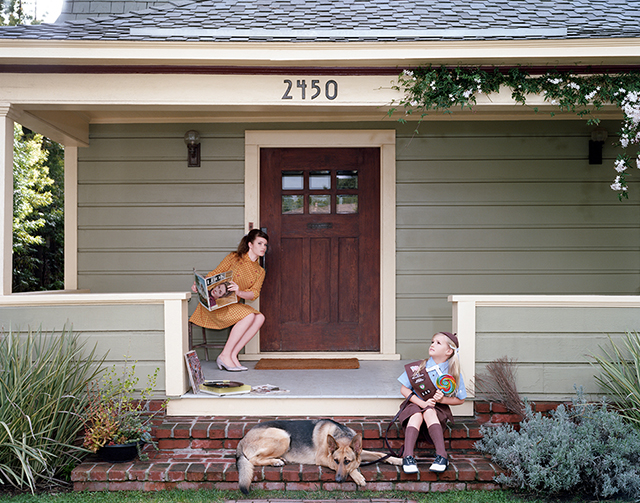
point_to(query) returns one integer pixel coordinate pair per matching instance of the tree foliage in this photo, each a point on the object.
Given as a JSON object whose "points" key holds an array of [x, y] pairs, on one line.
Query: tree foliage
{"points": [[38, 220], [12, 13]]}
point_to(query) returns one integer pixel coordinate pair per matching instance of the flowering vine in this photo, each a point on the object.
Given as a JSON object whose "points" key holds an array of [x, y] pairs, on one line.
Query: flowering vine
{"points": [[441, 88]]}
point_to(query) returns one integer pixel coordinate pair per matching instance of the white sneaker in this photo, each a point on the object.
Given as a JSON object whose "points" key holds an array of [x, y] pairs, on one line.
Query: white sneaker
{"points": [[409, 465], [439, 465]]}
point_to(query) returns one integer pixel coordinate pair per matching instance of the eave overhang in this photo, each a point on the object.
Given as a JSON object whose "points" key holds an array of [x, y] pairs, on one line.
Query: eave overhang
{"points": [[391, 55]]}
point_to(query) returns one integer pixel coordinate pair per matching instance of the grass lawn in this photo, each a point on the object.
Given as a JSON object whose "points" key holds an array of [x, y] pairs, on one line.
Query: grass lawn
{"points": [[215, 496]]}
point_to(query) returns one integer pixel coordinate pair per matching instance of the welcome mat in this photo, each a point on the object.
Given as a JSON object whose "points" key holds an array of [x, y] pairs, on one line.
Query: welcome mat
{"points": [[307, 363]]}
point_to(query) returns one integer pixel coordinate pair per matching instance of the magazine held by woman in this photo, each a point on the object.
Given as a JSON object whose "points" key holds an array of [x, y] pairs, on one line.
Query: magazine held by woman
{"points": [[213, 291]]}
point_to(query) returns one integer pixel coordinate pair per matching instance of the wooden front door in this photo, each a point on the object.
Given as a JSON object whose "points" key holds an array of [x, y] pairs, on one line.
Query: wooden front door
{"points": [[321, 209]]}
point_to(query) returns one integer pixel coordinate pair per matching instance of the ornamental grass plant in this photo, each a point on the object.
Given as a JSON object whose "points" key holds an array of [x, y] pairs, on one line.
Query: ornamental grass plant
{"points": [[585, 449], [43, 381], [620, 375], [498, 384]]}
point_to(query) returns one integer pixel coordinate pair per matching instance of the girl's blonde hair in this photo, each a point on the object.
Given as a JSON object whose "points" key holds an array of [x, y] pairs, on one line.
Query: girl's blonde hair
{"points": [[454, 359]]}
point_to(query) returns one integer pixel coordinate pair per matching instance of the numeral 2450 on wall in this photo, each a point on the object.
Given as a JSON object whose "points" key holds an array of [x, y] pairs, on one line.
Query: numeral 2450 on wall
{"points": [[312, 91]]}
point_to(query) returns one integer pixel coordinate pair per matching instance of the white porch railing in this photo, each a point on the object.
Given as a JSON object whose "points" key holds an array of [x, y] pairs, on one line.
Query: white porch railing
{"points": [[150, 328], [550, 336]]}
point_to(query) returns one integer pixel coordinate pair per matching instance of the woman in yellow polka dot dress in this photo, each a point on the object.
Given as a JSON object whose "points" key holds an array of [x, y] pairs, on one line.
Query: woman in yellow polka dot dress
{"points": [[248, 276]]}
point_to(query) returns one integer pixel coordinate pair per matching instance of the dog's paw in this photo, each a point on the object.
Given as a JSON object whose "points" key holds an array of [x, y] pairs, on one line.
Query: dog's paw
{"points": [[358, 478], [394, 461], [277, 462]]}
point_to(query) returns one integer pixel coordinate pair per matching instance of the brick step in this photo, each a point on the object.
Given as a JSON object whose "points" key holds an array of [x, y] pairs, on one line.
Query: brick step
{"points": [[201, 469], [225, 433]]}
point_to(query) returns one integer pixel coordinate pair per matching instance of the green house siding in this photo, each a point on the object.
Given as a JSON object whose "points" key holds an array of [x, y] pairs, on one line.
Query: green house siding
{"points": [[482, 208], [144, 218], [551, 346], [505, 208], [133, 330]]}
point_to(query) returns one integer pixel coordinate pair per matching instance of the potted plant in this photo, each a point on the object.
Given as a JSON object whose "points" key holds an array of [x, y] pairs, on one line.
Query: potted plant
{"points": [[118, 419]]}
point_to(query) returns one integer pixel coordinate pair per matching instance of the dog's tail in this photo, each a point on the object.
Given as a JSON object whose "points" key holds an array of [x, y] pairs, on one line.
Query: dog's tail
{"points": [[245, 471]]}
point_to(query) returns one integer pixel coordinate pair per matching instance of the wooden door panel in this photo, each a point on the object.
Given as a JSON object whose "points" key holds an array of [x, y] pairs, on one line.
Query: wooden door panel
{"points": [[323, 269], [348, 276], [319, 283], [292, 289]]}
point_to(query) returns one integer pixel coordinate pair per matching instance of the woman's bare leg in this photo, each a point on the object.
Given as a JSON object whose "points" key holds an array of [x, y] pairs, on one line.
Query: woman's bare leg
{"points": [[241, 333]]}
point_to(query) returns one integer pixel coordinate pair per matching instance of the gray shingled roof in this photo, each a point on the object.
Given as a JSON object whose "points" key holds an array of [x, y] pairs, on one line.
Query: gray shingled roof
{"points": [[352, 20]]}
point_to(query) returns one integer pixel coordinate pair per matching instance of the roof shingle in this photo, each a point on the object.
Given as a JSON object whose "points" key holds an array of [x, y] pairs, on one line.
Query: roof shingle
{"points": [[350, 20]]}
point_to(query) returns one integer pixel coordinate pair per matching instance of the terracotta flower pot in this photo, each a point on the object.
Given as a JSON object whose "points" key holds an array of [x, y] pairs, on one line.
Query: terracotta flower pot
{"points": [[119, 453]]}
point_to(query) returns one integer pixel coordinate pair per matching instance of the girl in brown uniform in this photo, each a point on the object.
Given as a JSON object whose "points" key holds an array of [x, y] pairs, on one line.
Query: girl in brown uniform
{"points": [[426, 408]]}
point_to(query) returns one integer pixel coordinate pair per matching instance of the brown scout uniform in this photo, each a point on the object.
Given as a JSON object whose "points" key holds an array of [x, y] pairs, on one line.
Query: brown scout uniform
{"points": [[425, 389]]}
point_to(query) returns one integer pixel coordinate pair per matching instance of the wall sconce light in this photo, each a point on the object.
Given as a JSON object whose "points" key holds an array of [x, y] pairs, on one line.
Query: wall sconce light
{"points": [[192, 139], [598, 136]]}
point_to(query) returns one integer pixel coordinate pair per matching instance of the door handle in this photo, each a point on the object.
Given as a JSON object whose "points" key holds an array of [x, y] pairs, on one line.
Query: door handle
{"points": [[263, 259]]}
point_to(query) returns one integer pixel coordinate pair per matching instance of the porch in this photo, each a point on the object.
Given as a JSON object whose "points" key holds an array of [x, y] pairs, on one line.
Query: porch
{"points": [[550, 337]]}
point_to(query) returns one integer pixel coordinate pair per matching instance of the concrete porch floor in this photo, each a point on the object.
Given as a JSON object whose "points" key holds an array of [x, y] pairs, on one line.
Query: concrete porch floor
{"points": [[372, 389]]}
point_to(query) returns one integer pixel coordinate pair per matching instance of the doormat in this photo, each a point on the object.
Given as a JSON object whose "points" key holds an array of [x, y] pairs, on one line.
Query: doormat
{"points": [[307, 363]]}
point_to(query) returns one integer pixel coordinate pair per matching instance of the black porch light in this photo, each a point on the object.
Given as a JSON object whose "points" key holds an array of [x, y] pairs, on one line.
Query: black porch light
{"points": [[598, 136], [192, 139]]}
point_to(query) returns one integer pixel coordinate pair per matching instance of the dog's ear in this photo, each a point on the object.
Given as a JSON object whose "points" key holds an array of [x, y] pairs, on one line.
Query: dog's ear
{"points": [[356, 443], [331, 443]]}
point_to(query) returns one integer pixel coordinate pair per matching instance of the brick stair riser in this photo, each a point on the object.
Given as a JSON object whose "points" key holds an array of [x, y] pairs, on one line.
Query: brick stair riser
{"points": [[463, 473]]}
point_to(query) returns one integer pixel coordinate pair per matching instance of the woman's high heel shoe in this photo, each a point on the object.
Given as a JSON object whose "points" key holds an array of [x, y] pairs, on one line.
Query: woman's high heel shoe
{"points": [[222, 366]]}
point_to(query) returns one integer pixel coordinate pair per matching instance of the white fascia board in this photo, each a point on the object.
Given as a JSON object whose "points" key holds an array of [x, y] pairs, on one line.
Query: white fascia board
{"points": [[313, 54]]}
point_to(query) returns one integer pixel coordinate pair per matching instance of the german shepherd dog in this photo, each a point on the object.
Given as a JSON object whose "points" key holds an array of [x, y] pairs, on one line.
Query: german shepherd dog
{"points": [[321, 442]]}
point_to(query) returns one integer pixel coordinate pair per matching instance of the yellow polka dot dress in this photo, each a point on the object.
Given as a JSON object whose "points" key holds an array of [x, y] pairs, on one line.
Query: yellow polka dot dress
{"points": [[249, 277]]}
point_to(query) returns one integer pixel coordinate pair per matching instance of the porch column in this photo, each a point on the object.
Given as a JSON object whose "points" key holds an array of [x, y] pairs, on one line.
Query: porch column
{"points": [[6, 193], [70, 218]]}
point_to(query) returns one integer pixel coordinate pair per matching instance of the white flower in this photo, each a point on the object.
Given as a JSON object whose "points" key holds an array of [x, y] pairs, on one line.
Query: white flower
{"points": [[632, 97], [620, 165], [555, 81], [591, 95], [638, 162], [467, 93], [554, 102], [616, 185], [624, 141], [573, 85]]}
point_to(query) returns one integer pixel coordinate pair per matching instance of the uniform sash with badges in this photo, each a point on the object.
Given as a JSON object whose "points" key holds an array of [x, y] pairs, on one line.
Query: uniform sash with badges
{"points": [[420, 381]]}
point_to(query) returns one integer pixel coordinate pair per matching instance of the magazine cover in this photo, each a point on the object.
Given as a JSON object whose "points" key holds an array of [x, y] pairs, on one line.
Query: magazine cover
{"points": [[213, 292], [196, 377], [200, 385]]}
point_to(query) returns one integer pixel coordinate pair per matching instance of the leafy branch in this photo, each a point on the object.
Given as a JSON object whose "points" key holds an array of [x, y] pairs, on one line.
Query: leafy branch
{"points": [[442, 89]]}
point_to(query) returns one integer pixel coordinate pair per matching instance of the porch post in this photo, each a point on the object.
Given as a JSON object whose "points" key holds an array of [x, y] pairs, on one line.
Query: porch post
{"points": [[6, 193], [176, 344], [70, 218], [464, 325]]}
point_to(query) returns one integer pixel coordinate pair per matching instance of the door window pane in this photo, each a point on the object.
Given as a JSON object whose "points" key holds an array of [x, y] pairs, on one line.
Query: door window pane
{"points": [[347, 179], [320, 180], [319, 204], [292, 180], [347, 203], [292, 205]]}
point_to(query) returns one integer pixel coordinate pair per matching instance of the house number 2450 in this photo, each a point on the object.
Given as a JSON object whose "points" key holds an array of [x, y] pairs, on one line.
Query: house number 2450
{"points": [[314, 89]]}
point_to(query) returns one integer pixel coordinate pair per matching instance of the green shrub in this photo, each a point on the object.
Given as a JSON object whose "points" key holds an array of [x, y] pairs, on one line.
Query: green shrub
{"points": [[620, 376], [586, 448], [43, 381]]}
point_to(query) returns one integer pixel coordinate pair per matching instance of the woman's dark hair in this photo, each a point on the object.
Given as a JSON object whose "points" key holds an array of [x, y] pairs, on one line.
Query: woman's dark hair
{"points": [[243, 247]]}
